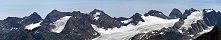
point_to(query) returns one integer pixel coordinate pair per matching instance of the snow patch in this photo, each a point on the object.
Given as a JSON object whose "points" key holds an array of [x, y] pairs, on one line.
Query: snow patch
{"points": [[126, 21], [126, 32], [209, 10], [33, 25], [96, 15], [192, 18], [60, 24], [206, 30], [161, 33], [190, 35], [180, 31]]}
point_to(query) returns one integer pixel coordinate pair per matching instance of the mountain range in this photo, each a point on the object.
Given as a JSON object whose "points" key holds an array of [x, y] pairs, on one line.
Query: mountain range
{"points": [[193, 24]]}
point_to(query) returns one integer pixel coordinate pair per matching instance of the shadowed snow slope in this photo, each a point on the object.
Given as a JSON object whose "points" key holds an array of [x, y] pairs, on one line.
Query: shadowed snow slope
{"points": [[126, 32], [60, 24]]}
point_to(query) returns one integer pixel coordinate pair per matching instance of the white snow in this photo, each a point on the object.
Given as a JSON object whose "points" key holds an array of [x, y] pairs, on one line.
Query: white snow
{"points": [[209, 10], [33, 25], [192, 18], [161, 33], [60, 24], [13, 28], [180, 31], [96, 15], [126, 21], [206, 30], [190, 35], [126, 32]]}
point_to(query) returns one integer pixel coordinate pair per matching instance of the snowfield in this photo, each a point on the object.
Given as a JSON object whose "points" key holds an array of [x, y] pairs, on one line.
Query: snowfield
{"points": [[60, 24], [192, 18], [126, 32], [33, 25]]}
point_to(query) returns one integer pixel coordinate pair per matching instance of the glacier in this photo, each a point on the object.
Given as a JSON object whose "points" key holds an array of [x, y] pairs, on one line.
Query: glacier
{"points": [[126, 32], [60, 24]]}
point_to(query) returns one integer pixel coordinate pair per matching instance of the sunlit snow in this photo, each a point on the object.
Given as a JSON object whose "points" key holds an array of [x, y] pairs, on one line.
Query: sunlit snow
{"points": [[60, 24], [126, 32], [192, 18], [209, 10], [96, 15], [33, 25], [126, 21]]}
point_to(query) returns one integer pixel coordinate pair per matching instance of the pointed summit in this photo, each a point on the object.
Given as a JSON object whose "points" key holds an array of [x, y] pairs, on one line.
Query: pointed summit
{"points": [[33, 18], [175, 13], [95, 11], [135, 19], [35, 15], [55, 10]]}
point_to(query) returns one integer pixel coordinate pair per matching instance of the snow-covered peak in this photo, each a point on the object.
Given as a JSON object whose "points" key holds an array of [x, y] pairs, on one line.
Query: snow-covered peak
{"points": [[192, 18], [60, 24], [33, 25]]}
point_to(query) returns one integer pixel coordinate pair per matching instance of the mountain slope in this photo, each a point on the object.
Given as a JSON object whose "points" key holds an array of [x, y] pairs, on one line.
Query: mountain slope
{"points": [[97, 25]]}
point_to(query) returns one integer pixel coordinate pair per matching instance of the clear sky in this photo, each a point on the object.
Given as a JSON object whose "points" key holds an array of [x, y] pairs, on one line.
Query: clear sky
{"points": [[114, 8]]}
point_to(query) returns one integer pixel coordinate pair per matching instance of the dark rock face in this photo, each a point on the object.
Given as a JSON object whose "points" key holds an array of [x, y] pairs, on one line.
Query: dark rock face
{"points": [[157, 14], [135, 19], [33, 18], [80, 24], [52, 17], [13, 22], [215, 34], [175, 13], [212, 18]]}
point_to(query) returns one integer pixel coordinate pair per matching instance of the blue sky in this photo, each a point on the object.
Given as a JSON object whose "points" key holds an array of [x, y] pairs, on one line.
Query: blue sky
{"points": [[114, 8]]}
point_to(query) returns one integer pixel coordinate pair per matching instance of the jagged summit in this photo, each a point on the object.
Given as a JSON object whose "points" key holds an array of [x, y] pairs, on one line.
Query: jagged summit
{"points": [[209, 11], [175, 13], [136, 18], [157, 14]]}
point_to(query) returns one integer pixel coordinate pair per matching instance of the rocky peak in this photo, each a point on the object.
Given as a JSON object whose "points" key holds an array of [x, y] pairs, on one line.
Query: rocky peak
{"points": [[13, 22], [54, 11], [103, 20], [175, 13], [187, 12], [136, 18], [157, 14], [33, 18], [55, 15], [209, 11]]}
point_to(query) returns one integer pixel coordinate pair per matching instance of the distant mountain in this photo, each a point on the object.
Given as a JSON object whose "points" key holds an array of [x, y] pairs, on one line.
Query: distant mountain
{"points": [[97, 25]]}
